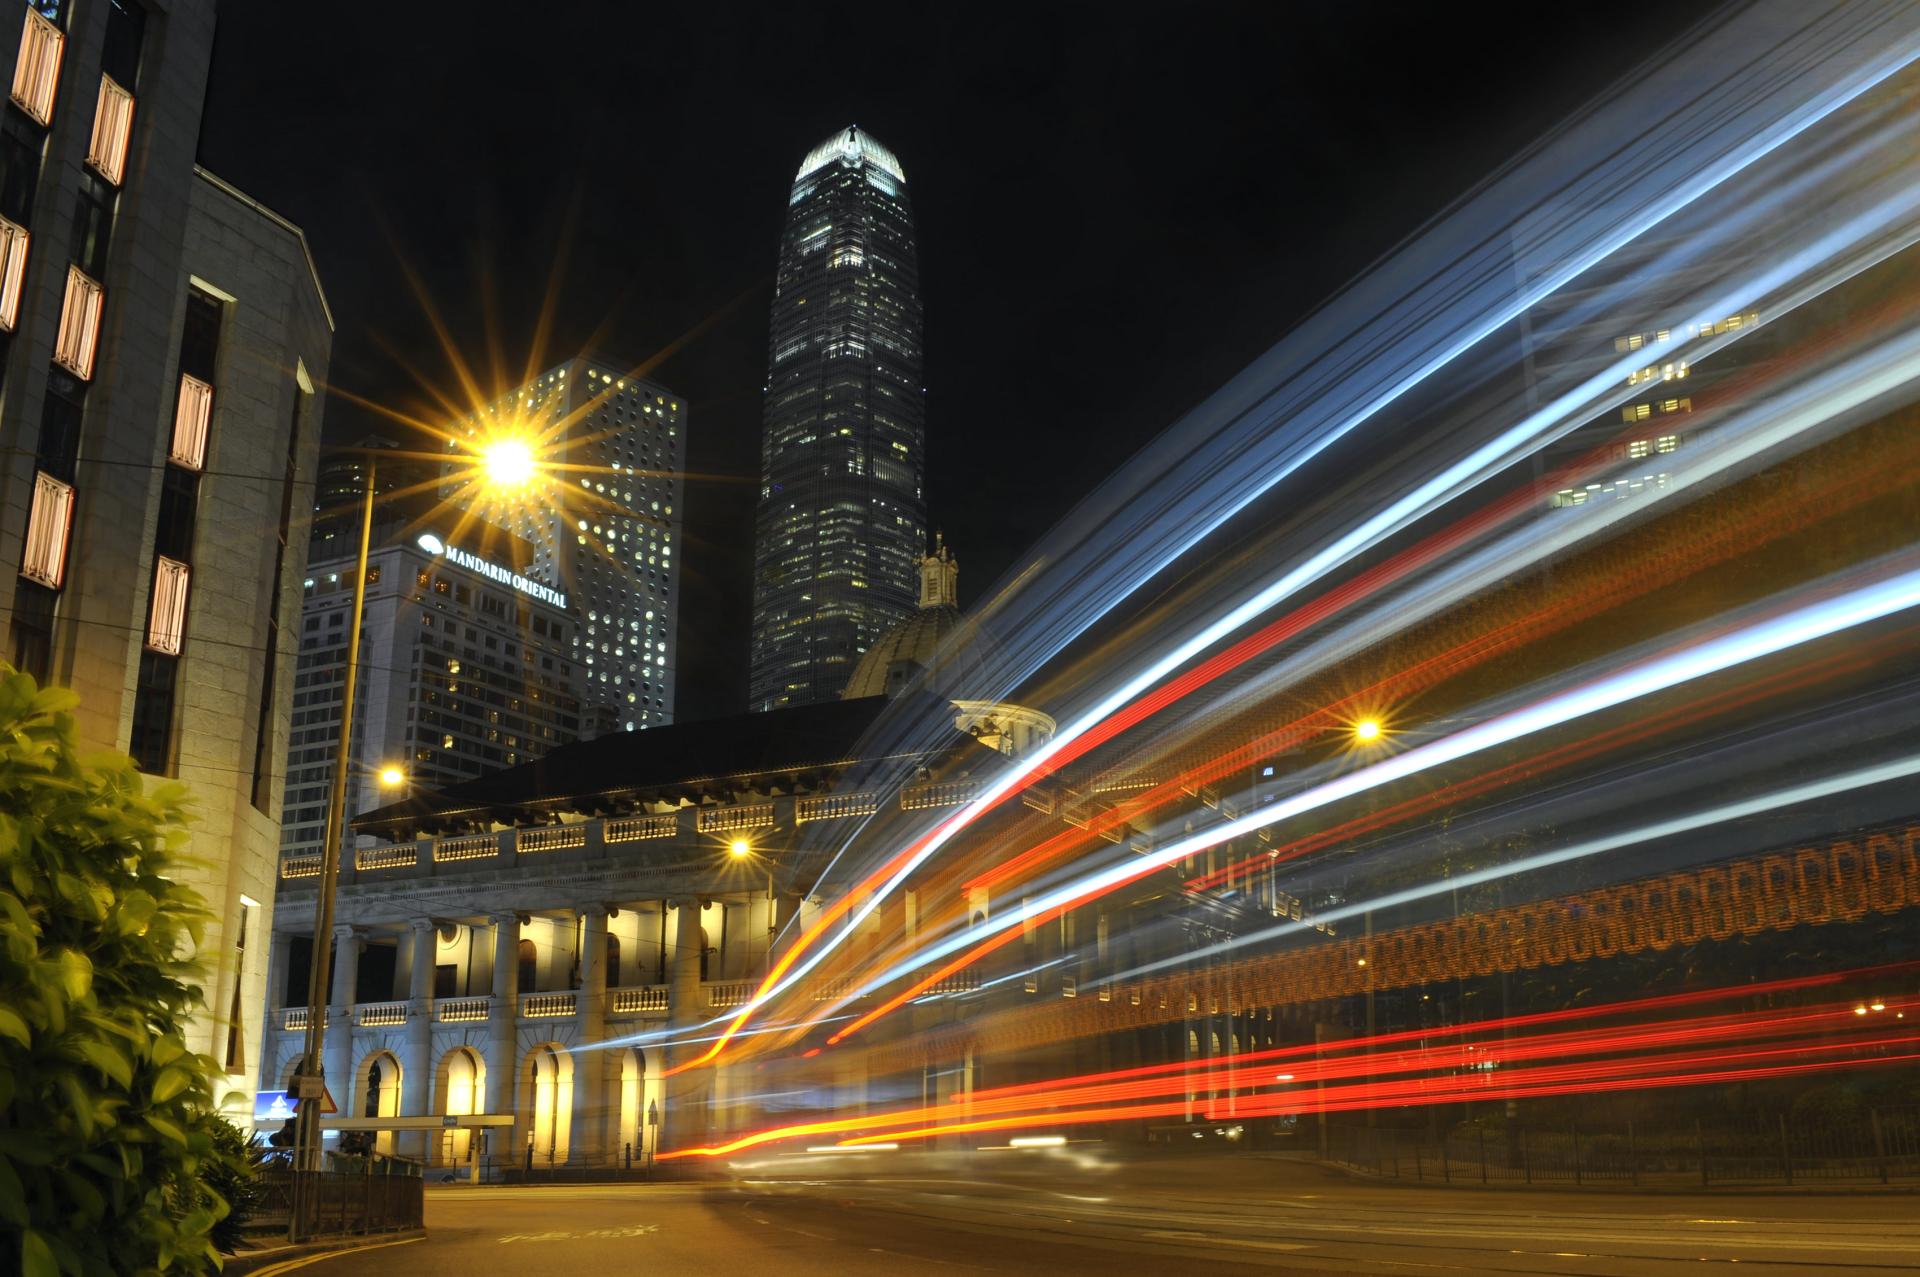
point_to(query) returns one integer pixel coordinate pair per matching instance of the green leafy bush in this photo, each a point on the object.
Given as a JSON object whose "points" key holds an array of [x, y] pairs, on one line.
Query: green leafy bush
{"points": [[108, 1135]]}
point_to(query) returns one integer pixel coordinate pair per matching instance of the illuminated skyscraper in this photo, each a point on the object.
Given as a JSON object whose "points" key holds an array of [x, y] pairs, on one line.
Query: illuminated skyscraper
{"points": [[610, 545], [841, 522]]}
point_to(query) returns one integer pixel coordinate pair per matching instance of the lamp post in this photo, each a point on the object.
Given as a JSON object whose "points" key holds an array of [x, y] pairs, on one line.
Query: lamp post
{"points": [[1368, 732], [310, 1081], [508, 462]]}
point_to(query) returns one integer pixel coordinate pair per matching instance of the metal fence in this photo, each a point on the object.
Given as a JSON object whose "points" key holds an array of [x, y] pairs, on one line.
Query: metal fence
{"points": [[1876, 1146], [380, 1195]]}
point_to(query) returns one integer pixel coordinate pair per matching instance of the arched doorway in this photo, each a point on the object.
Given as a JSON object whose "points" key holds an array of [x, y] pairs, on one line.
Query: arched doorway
{"points": [[546, 1107], [463, 1090], [379, 1092], [639, 1095]]}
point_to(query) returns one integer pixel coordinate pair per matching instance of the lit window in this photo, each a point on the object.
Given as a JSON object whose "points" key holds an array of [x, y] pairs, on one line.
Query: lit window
{"points": [[13, 271], [1636, 412], [45, 558], [167, 620], [1667, 443], [190, 417], [79, 325], [112, 127], [37, 72]]}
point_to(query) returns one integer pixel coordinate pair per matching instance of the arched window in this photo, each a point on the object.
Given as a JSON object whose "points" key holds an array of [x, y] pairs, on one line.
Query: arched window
{"points": [[706, 950], [613, 961], [529, 967]]}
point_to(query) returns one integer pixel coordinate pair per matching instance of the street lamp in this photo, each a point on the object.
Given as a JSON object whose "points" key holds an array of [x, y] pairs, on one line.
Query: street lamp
{"points": [[740, 849], [506, 462], [1367, 731]]}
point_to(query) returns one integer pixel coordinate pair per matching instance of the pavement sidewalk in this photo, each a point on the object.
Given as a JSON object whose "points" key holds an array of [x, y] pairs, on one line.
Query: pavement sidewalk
{"points": [[268, 1260]]}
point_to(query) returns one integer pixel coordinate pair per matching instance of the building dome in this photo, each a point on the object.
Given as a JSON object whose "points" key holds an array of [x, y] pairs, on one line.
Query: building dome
{"points": [[924, 641], [953, 655]]}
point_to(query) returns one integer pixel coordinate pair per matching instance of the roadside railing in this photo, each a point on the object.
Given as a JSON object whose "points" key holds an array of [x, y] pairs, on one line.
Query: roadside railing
{"points": [[352, 1197], [1875, 1146]]}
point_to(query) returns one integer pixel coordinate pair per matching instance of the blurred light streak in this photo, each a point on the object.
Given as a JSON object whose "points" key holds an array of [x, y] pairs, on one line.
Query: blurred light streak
{"points": [[1499, 1025], [1713, 655], [1650, 1066]]}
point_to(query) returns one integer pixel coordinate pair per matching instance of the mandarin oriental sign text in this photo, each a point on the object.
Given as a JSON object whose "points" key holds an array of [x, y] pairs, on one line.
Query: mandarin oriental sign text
{"points": [[493, 571]]}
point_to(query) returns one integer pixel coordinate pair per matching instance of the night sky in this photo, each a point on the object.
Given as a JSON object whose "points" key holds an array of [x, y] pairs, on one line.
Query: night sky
{"points": [[1117, 208]]}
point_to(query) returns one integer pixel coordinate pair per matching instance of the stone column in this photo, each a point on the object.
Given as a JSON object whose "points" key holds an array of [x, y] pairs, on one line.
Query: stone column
{"points": [[502, 1066], [683, 1110], [337, 1053], [590, 1140], [416, 1071], [786, 906]]}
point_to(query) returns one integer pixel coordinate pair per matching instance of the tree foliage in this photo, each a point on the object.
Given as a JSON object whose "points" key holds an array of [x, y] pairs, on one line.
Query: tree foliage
{"points": [[107, 1122]]}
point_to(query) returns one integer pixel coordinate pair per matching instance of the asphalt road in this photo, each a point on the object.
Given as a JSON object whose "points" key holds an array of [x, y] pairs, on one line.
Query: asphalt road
{"points": [[1071, 1211]]}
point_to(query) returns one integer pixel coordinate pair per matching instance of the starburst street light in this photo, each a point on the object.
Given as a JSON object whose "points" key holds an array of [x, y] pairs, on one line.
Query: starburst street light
{"points": [[507, 462], [740, 849], [1367, 731], [392, 777]]}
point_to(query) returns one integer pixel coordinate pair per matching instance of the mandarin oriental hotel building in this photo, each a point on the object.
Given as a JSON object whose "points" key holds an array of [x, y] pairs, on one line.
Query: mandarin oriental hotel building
{"points": [[466, 665]]}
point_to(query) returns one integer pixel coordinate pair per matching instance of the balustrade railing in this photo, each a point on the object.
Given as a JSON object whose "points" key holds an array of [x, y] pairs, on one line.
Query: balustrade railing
{"points": [[640, 828], [373, 1015], [551, 838], [637, 1001], [965, 980], [295, 1019], [468, 847], [386, 857], [300, 867], [940, 793], [730, 993], [722, 820], [834, 806], [538, 1006], [463, 1010]]}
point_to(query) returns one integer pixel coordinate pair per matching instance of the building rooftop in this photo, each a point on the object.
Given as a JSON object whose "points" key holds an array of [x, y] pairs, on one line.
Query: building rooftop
{"points": [[785, 748], [849, 143]]}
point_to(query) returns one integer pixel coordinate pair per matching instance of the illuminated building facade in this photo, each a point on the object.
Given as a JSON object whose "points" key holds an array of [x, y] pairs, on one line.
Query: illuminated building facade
{"points": [[841, 521], [162, 339], [606, 528], [466, 666], [488, 929]]}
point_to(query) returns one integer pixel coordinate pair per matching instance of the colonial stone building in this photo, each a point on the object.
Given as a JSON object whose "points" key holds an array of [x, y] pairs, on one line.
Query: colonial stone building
{"points": [[501, 924]]}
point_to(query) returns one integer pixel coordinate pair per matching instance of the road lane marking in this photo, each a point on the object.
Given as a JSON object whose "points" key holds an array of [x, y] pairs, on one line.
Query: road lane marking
{"points": [[1209, 1239], [288, 1265], [588, 1234]]}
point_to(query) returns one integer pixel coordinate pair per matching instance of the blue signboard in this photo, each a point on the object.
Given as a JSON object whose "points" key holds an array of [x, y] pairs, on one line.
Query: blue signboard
{"points": [[273, 1106]]}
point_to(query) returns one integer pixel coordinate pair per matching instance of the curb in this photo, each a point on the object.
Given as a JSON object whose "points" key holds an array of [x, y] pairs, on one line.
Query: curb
{"points": [[250, 1261]]}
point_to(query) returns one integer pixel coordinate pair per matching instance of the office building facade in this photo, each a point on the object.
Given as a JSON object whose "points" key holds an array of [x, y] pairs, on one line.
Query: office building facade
{"points": [[604, 523], [162, 338], [465, 667], [841, 521]]}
